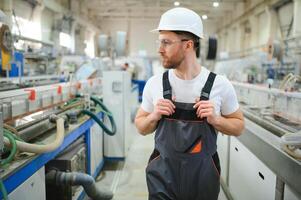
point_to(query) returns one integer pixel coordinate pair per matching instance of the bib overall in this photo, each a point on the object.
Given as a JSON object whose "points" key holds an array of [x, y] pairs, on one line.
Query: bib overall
{"points": [[184, 164]]}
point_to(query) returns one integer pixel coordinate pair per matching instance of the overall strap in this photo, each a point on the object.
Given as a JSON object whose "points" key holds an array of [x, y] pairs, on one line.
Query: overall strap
{"points": [[208, 86], [166, 86]]}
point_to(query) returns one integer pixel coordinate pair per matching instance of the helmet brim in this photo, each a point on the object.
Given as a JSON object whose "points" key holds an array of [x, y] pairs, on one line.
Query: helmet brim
{"points": [[158, 30]]}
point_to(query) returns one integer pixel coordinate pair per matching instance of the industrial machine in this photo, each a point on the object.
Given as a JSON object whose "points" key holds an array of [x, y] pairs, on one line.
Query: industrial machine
{"points": [[269, 148], [30, 117], [72, 159]]}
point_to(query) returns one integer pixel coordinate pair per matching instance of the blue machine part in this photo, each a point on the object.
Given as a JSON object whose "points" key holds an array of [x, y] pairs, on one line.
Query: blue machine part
{"points": [[141, 84], [18, 58]]}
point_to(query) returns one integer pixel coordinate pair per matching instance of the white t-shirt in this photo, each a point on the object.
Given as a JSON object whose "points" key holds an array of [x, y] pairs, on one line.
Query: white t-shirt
{"points": [[222, 93]]}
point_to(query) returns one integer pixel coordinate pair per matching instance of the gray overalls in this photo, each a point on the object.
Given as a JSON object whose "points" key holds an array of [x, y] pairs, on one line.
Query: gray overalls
{"points": [[184, 164]]}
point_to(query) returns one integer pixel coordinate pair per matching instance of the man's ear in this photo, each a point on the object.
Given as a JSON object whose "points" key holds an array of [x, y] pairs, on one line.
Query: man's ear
{"points": [[189, 44]]}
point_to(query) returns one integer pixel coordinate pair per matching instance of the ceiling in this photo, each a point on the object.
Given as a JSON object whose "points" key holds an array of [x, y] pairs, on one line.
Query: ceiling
{"points": [[146, 9]]}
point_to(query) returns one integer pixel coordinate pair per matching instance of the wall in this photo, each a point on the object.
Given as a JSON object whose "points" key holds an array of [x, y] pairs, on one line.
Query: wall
{"points": [[254, 23], [139, 36], [46, 25]]}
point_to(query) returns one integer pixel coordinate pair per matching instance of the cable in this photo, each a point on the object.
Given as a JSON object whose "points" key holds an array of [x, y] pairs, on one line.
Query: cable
{"points": [[11, 129], [100, 123], [13, 150]]}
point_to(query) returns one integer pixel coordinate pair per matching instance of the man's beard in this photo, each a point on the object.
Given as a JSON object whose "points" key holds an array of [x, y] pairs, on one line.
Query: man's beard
{"points": [[172, 63]]}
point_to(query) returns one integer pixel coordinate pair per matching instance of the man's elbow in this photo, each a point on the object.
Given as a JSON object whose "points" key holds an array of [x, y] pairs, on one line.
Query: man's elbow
{"points": [[140, 130], [240, 128]]}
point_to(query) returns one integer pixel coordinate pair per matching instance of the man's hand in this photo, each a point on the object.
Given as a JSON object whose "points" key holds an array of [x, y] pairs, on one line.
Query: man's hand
{"points": [[206, 109], [162, 107]]}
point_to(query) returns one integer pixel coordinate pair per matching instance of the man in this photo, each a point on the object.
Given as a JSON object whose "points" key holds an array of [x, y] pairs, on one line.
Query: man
{"points": [[185, 105]]}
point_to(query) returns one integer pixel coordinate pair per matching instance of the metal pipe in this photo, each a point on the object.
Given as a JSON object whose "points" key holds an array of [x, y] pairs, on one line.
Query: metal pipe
{"points": [[271, 127], [76, 178], [36, 130]]}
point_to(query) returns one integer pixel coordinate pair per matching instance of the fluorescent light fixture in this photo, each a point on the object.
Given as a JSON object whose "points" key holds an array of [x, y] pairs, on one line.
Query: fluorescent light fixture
{"points": [[176, 3], [215, 4], [204, 17]]}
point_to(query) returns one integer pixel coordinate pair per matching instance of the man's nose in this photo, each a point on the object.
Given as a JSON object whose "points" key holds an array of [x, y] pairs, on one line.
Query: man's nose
{"points": [[161, 49]]}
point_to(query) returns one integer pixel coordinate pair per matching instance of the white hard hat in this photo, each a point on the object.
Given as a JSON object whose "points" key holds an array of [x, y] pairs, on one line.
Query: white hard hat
{"points": [[181, 19]]}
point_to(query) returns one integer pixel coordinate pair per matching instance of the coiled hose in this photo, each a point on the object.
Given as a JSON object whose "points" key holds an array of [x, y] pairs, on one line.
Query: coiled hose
{"points": [[103, 107], [100, 123], [106, 111], [13, 150], [7, 160]]}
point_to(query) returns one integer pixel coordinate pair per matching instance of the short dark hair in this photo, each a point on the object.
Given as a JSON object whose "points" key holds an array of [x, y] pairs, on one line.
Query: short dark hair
{"points": [[194, 38]]}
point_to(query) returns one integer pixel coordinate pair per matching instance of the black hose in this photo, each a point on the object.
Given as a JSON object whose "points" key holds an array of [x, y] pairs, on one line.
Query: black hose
{"points": [[100, 123], [76, 178]]}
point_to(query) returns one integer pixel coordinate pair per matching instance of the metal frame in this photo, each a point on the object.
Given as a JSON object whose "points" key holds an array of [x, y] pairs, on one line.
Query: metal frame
{"points": [[266, 147], [13, 180]]}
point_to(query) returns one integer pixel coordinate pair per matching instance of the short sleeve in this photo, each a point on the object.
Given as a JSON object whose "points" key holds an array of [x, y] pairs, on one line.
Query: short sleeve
{"points": [[147, 99], [229, 103]]}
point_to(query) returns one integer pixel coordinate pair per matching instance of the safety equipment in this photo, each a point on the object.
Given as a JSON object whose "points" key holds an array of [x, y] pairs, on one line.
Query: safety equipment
{"points": [[181, 19]]}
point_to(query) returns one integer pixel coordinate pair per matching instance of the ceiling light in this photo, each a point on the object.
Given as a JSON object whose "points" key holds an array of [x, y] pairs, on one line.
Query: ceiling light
{"points": [[215, 4], [176, 3], [204, 17]]}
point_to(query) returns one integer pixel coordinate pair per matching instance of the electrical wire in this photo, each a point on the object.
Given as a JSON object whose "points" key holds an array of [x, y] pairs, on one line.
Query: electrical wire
{"points": [[11, 129]]}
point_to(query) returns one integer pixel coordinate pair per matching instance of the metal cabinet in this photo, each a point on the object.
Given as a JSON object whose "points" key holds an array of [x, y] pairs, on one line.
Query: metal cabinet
{"points": [[289, 194], [96, 148], [249, 178], [116, 96], [223, 152], [32, 188]]}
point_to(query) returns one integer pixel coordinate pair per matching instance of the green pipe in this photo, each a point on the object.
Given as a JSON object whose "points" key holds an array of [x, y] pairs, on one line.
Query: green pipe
{"points": [[13, 150], [100, 123], [105, 110], [100, 103], [16, 137], [3, 190]]}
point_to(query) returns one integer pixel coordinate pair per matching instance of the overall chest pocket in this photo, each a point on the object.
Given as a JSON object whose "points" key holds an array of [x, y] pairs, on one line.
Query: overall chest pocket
{"points": [[186, 136]]}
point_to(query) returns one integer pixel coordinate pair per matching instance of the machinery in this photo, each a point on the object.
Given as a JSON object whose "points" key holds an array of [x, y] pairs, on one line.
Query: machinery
{"points": [[291, 143], [30, 117], [72, 159], [269, 148]]}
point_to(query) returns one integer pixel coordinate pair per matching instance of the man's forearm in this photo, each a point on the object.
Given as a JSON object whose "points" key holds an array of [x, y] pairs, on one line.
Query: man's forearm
{"points": [[229, 126], [146, 125]]}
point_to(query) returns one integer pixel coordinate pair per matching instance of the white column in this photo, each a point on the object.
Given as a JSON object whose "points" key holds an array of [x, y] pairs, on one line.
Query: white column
{"points": [[7, 8], [297, 18]]}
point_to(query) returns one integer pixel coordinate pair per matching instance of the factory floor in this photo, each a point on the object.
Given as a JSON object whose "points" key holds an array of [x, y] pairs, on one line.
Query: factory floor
{"points": [[127, 179]]}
